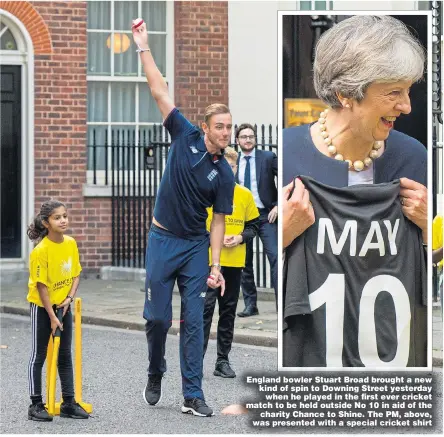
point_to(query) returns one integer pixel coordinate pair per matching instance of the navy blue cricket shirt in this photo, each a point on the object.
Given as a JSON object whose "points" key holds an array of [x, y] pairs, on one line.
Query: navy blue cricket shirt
{"points": [[403, 157], [193, 180]]}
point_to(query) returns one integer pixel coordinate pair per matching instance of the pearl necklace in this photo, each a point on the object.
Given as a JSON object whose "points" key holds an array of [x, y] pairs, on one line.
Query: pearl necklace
{"points": [[357, 165]]}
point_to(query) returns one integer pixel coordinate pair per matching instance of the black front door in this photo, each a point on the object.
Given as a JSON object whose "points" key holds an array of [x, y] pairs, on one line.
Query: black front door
{"points": [[11, 192]]}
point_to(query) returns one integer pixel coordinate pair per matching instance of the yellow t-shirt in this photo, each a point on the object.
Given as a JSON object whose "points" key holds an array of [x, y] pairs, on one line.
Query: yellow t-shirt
{"points": [[244, 210], [55, 265], [437, 230]]}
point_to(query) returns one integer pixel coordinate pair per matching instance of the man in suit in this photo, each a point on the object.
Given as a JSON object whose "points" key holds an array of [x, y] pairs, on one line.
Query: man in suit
{"points": [[257, 171]]}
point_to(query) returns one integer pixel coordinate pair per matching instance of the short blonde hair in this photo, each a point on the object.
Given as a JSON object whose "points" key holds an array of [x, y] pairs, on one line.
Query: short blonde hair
{"points": [[215, 108], [230, 153]]}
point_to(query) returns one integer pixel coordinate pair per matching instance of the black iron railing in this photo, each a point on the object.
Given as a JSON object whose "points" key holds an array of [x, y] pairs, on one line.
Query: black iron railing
{"points": [[132, 163]]}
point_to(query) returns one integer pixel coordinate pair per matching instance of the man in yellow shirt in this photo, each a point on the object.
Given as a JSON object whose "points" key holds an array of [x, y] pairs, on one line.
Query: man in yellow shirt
{"points": [[240, 227]]}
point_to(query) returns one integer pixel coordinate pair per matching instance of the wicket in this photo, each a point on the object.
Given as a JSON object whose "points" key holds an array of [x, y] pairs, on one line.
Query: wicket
{"points": [[51, 372]]}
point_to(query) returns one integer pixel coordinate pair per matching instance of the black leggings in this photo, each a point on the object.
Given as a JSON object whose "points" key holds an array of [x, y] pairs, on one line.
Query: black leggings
{"points": [[41, 332]]}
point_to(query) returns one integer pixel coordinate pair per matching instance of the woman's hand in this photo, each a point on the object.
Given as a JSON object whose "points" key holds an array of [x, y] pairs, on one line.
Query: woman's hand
{"points": [[414, 204], [297, 212], [140, 34]]}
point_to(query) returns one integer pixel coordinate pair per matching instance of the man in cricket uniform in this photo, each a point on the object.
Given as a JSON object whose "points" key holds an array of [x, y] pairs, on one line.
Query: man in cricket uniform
{"points": [[196, 177]]}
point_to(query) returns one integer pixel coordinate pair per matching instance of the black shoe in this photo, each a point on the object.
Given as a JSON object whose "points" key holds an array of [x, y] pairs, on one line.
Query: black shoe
{"points": [[197, 407], [224, 369], [249, 311], [153, 390], [38, 412], [73, 410]]}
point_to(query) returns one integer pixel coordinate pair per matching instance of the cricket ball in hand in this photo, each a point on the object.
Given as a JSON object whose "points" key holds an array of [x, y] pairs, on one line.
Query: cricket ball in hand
{"points": [[137, 23]]}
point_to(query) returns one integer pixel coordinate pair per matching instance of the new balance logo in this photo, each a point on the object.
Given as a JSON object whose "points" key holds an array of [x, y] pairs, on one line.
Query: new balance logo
{"points": [[212, 175]]}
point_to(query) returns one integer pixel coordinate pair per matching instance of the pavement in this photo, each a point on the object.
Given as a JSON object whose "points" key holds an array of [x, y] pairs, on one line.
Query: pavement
{"points": [[119, 304]]}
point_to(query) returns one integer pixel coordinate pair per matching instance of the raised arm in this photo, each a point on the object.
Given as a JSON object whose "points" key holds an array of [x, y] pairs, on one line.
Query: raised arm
{"points": [[156, 82]]}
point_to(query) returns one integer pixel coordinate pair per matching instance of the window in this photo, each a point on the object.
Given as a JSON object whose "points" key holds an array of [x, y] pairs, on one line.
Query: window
{"points": [[119, 100], [312, 5], [7, 40]]}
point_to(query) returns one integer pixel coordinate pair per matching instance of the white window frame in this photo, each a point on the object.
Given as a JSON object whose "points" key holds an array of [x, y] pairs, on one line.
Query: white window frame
{"points": [[100, 189], [328, 3]]}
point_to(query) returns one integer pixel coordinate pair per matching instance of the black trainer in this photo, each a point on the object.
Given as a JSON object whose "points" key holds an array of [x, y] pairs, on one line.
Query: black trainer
{"points": [[73, 410], [153, 390], [39, 413], [197, 407], [224, 369]]}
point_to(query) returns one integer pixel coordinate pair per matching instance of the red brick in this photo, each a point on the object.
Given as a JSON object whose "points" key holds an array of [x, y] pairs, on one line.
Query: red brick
{"points": [[200, 29], [58, 32]]}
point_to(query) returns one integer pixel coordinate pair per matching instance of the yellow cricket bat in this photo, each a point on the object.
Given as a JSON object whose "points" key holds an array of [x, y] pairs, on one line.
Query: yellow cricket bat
{"points": [[53, 366]]}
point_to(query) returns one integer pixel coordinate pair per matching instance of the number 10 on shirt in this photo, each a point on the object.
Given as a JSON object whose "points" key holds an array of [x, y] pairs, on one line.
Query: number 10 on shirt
{"points": [[332, 294]]}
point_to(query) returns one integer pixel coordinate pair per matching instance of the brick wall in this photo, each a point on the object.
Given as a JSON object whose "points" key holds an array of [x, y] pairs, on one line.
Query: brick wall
{"points": [[58, 32], [60, 129], [201, 56]]}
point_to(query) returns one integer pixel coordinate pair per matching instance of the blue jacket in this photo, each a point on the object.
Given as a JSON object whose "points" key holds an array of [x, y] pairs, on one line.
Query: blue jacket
{"points": [[403, 157], [266, 171]]}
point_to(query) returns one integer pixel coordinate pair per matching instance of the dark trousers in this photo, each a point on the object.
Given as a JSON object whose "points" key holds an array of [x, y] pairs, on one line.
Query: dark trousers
{"points": [[227, 312], [169, 258], [268, 234], [41, 332]]}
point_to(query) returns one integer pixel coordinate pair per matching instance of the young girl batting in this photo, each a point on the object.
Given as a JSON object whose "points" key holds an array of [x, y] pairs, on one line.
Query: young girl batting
{"points": [[53, 280]]}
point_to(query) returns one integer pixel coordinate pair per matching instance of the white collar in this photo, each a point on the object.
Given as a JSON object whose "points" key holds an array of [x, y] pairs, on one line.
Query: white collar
{"points": [[251, 155]]}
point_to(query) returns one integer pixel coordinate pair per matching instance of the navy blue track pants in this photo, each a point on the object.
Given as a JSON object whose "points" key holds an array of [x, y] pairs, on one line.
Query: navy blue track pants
{"points": [[170, 258]]}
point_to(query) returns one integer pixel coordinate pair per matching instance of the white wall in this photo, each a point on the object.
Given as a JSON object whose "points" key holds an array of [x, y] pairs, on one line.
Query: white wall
{"points": [[252, 53], [252, 60], [374, 5]]}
